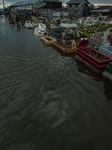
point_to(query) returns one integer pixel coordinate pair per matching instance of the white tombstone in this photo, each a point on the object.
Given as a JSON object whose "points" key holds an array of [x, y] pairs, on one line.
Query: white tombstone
{"points": [[78, 35], [106, 44], [73, 44], [80, 21], [64, 37]]}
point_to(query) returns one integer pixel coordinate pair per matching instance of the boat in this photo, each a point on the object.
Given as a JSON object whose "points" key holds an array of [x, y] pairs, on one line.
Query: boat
{"points": [[91, 57], [48, 40]]}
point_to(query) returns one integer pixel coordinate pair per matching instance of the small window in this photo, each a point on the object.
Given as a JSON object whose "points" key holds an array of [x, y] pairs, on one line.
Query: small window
{"points": [[82, 5], [70, 6]]}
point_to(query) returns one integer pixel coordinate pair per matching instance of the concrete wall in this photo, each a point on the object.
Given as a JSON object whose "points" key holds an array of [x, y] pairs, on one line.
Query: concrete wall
{"points": [[27, 7], [77, 11], [14, 11], [21, 10], [50, 13]]}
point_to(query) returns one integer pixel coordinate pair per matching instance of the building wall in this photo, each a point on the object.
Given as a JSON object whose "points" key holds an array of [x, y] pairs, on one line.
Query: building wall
{"points": [[27, 7], [45, 12], [14, 11], [53, 5], [74, 12], [50, 13], [77, 10], [21, 10], [38, 5]]}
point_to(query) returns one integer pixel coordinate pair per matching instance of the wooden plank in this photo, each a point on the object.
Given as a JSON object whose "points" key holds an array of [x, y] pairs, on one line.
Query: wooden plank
{"points": [[71, 51]]}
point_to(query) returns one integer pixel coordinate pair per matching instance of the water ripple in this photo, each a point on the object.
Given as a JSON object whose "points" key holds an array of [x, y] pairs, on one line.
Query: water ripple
{"points": [[44, 93]]}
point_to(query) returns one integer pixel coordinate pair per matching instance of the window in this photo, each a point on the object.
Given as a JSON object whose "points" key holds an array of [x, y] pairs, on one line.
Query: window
{"points": [[70, 6], [76, 5]]}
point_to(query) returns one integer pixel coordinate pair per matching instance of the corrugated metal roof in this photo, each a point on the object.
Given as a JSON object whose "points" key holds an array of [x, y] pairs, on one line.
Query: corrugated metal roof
{"points": [[100, 10], [34, 1], [104, 7], [53, 1], [76, 1], [22, 3]]}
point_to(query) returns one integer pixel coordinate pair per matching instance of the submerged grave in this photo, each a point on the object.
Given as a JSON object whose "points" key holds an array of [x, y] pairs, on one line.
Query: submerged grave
{"points": [[91, 57]]}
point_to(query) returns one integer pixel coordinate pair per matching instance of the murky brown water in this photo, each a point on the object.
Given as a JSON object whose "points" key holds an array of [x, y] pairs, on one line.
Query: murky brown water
{"points": [[49, 101]]}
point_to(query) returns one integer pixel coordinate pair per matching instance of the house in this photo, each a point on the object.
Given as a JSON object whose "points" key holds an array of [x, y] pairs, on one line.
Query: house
{"points": [[102, 11], [53, 4], [42, 7], [22, 7], [78, 8], [52, 8]]}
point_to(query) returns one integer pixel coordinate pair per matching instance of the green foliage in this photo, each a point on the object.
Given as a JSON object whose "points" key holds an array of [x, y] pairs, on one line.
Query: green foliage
{"points": [[90, 22], [97, 24], [79, 25]]}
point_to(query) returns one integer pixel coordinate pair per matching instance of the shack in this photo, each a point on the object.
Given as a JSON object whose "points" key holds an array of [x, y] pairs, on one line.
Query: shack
{"points": [[52, 8], [23, 7], [46, 8], [78, 8]]}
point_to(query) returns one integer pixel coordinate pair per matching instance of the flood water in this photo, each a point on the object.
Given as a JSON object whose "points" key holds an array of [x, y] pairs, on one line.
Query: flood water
{"points": [[49, 101]]}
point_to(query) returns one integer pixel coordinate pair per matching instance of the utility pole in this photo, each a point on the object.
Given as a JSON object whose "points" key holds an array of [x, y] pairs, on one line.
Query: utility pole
{"points": [[3, 4]]}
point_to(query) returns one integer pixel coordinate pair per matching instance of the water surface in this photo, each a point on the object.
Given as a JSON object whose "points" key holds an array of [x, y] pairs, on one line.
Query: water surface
{"points": [[49, 101]]}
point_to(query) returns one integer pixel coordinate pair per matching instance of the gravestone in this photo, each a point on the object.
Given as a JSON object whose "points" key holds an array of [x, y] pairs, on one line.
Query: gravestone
{"points": [[64, 37], [106, 45]]}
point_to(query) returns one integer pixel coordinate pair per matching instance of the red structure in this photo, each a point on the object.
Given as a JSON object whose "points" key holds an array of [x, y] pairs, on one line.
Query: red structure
{"points": [[84, 44], [91, 57], [32, 11]]}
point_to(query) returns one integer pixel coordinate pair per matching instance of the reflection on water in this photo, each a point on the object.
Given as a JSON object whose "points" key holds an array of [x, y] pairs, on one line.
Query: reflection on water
{"points": [[107, 90], [48, 100]]}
